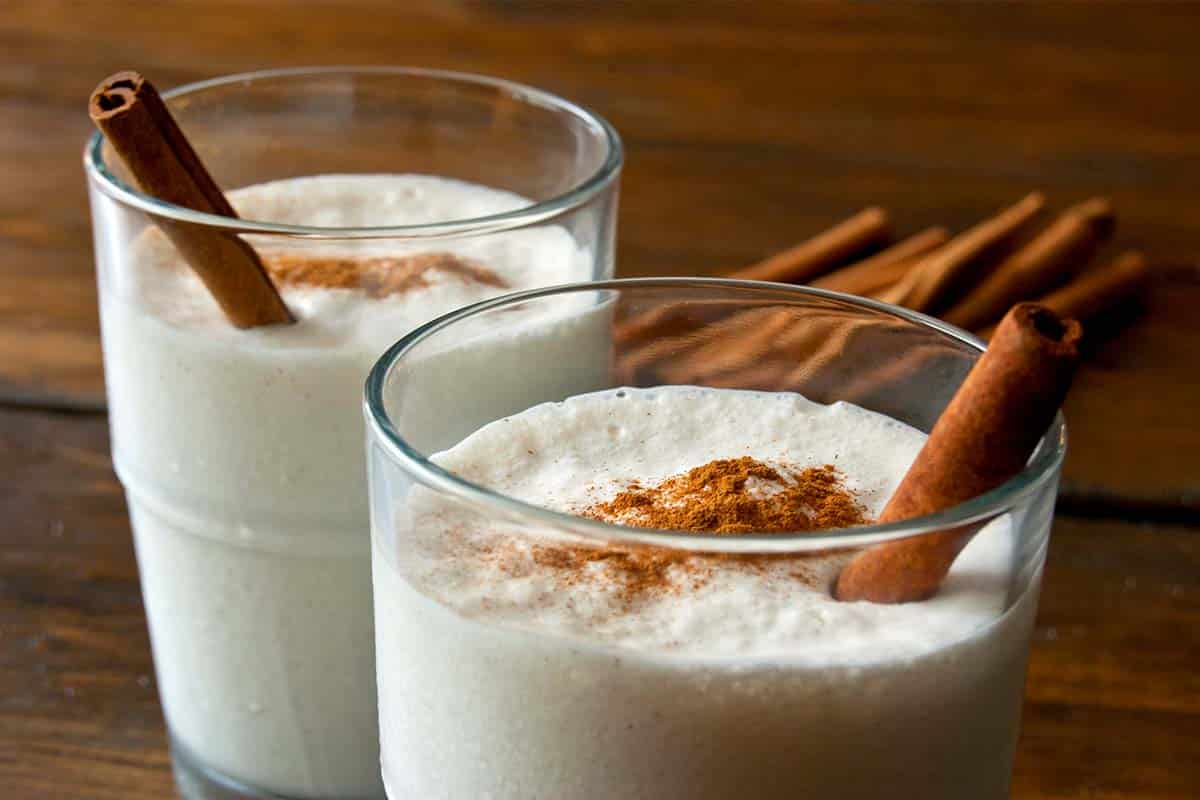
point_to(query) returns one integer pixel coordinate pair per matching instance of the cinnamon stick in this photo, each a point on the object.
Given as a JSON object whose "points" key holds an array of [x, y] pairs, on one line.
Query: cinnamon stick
{"points": [[672, 318], [884, 268], [808, 259], [1095, 291], [823, 252], [892, 387], [647, 362], [767, 377], [848, 358], [896, 292], [729, 345], [984, 437], [781, 337], [939, 273], [1038, 266], [133, 118]]}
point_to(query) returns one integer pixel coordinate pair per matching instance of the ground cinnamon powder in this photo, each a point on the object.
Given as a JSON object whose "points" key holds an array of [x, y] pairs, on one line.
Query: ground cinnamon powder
{"points": [[739, 495], [379, 276], [727, 496]]}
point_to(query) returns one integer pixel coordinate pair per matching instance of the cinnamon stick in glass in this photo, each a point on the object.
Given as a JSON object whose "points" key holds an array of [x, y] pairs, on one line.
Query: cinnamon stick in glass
{"points": [[984, 437], [939, 273], [823, 252], [135, 121], [1037, 266]]}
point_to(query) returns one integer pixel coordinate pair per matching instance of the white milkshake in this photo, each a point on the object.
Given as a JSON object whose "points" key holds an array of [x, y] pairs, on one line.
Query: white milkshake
{"points": [[241, 455], [512, 666]]}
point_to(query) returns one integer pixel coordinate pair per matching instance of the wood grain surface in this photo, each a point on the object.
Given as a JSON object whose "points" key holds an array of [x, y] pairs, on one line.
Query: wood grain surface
{"points": [[747, 127]]}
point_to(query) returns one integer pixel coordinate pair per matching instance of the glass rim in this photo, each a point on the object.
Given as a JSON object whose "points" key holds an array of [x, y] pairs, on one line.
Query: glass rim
{"points": [[579, 193], [1042, 466]]}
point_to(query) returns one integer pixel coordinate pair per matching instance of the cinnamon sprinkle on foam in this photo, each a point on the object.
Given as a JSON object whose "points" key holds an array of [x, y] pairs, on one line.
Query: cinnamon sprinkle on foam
{"points": [[379, 276], [726, 496], [739, 495]]}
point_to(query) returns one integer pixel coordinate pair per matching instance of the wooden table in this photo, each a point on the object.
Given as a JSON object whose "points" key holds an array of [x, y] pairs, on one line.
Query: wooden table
{"points": [[746, 129]]}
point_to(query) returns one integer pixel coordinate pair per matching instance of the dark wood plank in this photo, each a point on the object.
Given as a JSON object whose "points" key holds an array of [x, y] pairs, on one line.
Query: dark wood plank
{"points": [[1113, 694], [79, 716], [1134, 447]]}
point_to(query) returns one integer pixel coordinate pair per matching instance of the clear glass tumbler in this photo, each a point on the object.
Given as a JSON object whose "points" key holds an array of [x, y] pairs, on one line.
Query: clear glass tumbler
{"points": [[503, 676], [241, 450]]}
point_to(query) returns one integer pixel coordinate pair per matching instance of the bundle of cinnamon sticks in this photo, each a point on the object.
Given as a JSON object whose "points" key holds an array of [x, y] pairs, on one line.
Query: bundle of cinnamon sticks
{"points": [[970, 279]]}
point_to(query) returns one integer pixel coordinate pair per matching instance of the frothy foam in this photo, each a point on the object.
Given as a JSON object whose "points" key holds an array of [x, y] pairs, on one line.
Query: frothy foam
{"points": [[570, 456], [328, 316]]}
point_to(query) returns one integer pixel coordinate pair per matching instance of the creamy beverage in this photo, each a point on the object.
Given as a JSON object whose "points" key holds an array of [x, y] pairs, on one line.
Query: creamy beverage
{"points": [[516, 663], [241, 455]]}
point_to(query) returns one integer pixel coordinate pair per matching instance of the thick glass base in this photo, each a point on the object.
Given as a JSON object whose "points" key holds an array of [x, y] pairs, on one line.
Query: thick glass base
{"points": [[198, 782]]}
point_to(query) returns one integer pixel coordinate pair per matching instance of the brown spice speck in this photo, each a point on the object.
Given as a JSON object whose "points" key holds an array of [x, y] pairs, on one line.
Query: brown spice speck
{"points": [[717, 497], [379, 276]]}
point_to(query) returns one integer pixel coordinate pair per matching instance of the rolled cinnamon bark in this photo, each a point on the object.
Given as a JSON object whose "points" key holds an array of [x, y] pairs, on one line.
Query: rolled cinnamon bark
{"points": [[878, 271], [897, 292], [1038, 266], [672, 318], [984, 437], [939, 273], [767, 377], [889, 387], [884, 268], [135, 121], [823, 252], [806, 260], [678, 358], [787, 338], [1096, 291], [641, 365], [729, 345]]}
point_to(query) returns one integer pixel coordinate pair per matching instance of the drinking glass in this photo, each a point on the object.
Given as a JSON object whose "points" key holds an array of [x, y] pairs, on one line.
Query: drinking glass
{"points": [[240, 451], [483, 695]]}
